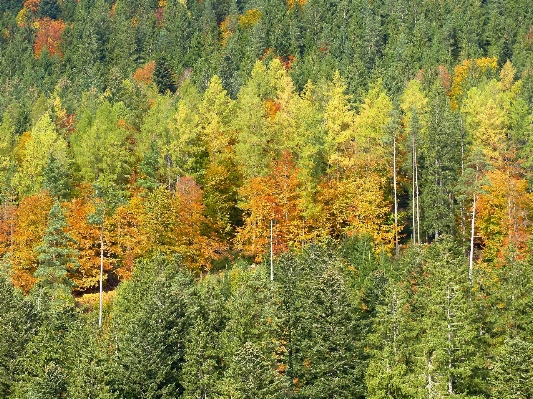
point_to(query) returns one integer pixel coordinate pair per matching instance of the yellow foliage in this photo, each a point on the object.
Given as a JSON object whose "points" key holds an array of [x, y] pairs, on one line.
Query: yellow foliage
{"points": [[249, 18], [292, 3], [507, 76], [504, 212], [22, 17], [475, 68]]}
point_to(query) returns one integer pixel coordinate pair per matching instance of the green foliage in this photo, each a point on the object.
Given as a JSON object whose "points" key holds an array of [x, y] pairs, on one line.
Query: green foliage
{"points": [[56, 259], [19, 321], [164, 77], [154, 301], [222, 90]]}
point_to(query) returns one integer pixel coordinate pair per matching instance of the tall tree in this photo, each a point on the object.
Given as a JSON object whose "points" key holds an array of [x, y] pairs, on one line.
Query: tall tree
{"points": [[35, 151], [56, 259]]}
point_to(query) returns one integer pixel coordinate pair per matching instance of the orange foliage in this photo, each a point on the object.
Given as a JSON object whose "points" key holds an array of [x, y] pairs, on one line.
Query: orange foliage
{"points": [[32, 5], [272, 108], [273, 197], [197, 249], [504, 212], [145, 73], [49, 35], [31, 221], [127, 236], [87, 237], [227, 27]]}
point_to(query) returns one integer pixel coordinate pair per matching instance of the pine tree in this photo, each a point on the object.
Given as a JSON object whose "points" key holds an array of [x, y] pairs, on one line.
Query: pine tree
{"points": [[150, 321], [164, 76], [56, 179], [18, 323], [56, 260]]}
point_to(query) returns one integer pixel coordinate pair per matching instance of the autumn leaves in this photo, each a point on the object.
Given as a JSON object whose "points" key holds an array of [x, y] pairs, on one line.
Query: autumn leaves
{"points": [[202, 175]]}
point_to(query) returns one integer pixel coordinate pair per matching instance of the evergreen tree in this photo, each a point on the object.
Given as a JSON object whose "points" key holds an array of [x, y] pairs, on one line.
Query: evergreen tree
{"points": [[50, 9], [440, 158], [56, 260], [204, 367], [254, 351], [19, 322], [153, 302], [164, 76], [56, 179]]}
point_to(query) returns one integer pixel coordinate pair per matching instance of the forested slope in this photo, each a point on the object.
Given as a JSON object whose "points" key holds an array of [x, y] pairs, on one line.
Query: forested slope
{"points": [[379, 153]]}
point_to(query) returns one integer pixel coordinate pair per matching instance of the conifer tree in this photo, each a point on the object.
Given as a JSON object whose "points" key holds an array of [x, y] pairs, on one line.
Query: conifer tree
{"points": [[56, 260]]}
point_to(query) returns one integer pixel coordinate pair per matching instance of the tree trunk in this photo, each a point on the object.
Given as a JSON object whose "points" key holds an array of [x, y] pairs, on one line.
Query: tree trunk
{"points": [[472, 230], [417, 203], [395, 199], [101, 273]]}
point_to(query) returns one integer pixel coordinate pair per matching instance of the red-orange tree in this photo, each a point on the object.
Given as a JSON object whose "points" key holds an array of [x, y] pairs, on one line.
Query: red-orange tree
{"points": [[29, 227], [87, 236], [175, 223], [49, 36], [275, 197]]}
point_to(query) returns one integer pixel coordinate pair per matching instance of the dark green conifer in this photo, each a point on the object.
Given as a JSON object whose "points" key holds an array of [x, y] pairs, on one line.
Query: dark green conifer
{"points": [[56, 259]]}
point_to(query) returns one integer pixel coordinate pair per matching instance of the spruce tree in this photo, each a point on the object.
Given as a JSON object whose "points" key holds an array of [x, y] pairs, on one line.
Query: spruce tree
{"points": [[56, 260], [56, 179], [164, 76]]}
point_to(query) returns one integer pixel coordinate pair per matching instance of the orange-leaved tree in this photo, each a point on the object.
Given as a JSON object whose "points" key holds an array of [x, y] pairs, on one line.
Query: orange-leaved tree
{"points": [[127, 235], [29, 227], [174, 223], [193, 241], [273, 198], [505, 211], [87, 236], [48, 36]]}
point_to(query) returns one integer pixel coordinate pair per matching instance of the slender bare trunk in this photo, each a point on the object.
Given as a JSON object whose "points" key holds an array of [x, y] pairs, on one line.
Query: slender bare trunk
{"points": [[395, 199], [271, 250], [417, 202], [413, 155], [449, 327], [472, 230], [101, 273]]}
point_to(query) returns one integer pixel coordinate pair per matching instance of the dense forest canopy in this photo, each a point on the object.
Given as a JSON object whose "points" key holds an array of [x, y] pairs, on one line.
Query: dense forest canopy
{"points": [[158, 157]]}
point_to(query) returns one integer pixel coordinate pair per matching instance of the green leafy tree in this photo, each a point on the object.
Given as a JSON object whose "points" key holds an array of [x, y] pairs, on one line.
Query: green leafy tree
{"points": [[36, 150], [101, 146]]}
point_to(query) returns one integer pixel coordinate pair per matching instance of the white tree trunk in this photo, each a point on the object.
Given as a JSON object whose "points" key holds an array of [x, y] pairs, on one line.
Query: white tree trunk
{"points": [[472, 231], [395, 199], [101, 273]]}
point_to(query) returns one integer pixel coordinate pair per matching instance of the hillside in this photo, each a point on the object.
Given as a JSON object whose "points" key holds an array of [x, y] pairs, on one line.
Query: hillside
{"points": [[158, 158]]}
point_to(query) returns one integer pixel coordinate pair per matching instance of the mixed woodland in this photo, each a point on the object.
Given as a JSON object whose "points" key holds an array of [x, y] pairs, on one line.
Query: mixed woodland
{"points": [[266, 199]]}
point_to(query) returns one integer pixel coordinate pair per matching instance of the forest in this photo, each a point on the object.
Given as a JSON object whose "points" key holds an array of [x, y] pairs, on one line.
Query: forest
{"points": [[266, 199]]}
